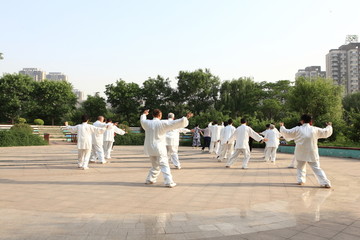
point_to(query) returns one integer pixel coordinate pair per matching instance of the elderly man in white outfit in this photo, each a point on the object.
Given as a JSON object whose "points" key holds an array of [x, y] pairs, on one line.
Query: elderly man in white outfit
{"points": [[227, 148], [241, 135], [84, 140], [155, 144], [172, 142], [273, 136], [306, 150], [97, 151], [215, 130], [109, 137]]}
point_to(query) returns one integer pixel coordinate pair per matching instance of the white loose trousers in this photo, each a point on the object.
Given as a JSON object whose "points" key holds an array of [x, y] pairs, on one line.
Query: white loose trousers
{"points": [[107, 149], [319, 173], [159, 164], [226, 151], [172, 151], [83, 157], [270, 154], [233, 158], [214, 147]]}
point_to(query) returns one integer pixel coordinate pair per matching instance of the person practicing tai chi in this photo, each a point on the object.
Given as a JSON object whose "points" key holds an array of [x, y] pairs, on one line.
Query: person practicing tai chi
{"points": [[155, 144], [215, 137], [273, 136], [241, 135], [109, 137], [226, 148], [172, 142], [84, 140], [306, 149], [97, 152]]}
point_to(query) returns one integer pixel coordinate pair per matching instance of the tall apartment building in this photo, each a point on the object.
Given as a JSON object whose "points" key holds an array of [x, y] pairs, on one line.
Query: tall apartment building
{"points": [[311, 72], [343, 65], [56, 76], [35, 73]]}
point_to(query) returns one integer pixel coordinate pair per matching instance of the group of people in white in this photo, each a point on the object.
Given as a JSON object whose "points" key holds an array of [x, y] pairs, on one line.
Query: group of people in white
{"points": [[225, 142], [94, 142]]}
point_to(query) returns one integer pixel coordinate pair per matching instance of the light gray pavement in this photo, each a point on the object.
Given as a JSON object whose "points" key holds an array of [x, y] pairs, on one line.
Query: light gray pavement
{"points": [[44, 196]]}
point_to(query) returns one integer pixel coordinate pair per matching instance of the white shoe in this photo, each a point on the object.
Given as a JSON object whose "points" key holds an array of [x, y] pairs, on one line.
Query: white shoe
{"points": [[92, 161], [103, 162], [326, 186], [149, 182], [171, 185], [84, 168], [178, 167]]}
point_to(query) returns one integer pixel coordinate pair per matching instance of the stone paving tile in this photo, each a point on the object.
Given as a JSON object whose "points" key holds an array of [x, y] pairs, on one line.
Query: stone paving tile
{"points": [[46, 193]]}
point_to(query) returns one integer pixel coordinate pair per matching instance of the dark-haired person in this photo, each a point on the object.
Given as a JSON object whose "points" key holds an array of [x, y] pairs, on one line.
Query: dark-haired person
{"points": [[306, 150], [273, 136], [155, 144], [196, 136], [84, 140], [207, 137], [215, 137], [241, 135], [226, 147], [97, 152], [109, 137]]}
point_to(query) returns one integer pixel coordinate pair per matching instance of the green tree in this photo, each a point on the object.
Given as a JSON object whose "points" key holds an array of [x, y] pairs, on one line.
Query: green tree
{"points": [[15, 91], [157, 93], [125, 99], [198, 90], [239, 97], [320, 98], [351, 104], [94, 106], [54, 99], [273, 105]]}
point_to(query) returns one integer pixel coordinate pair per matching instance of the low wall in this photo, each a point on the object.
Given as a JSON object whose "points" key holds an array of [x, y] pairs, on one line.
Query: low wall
{"points": [[327, 151]]}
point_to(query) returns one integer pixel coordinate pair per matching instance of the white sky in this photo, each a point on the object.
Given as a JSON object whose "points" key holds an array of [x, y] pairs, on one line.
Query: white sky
{"points": [[97, 42]]}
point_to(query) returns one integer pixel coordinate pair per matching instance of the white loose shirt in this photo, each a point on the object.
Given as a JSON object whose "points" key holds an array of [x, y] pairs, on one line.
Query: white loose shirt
{"points": [[306, 139], [173, 136], [98, 138], [155, 133], [215, 132], [110, 131], [226, 133], [84, 134], [242, 134], [273, 136]]}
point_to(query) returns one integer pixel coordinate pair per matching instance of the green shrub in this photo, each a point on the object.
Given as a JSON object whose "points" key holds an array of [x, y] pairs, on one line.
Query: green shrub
{"points": [[22, 127], [19, 138], [21, 120], [130, 139], [38, 121]]}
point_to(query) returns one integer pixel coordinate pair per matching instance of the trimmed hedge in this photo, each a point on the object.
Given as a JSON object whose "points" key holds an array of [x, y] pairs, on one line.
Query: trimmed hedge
{"points": [[130, 139], [19, 138]]}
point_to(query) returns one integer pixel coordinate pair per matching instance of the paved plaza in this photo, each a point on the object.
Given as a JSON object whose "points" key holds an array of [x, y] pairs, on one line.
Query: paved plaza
{"points": [[45, 196]]}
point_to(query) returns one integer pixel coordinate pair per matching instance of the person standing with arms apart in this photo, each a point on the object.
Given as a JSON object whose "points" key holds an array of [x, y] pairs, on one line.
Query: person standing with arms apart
{"points": [[84, 140], [273, 136], [241, 135], [227, 148], [172, 142], [97, 152], [155, 144], [306, 149], [109, 137]]}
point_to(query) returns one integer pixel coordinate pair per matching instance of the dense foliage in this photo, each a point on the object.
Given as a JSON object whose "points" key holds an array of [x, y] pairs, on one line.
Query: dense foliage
{"points": [[20, 135], [198, 91]]}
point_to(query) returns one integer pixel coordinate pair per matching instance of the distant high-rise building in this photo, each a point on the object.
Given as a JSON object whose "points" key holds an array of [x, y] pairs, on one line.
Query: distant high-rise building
{"points": [[80, 95], [35, 73], [56, 76], [311, 72], [343, 65]]}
